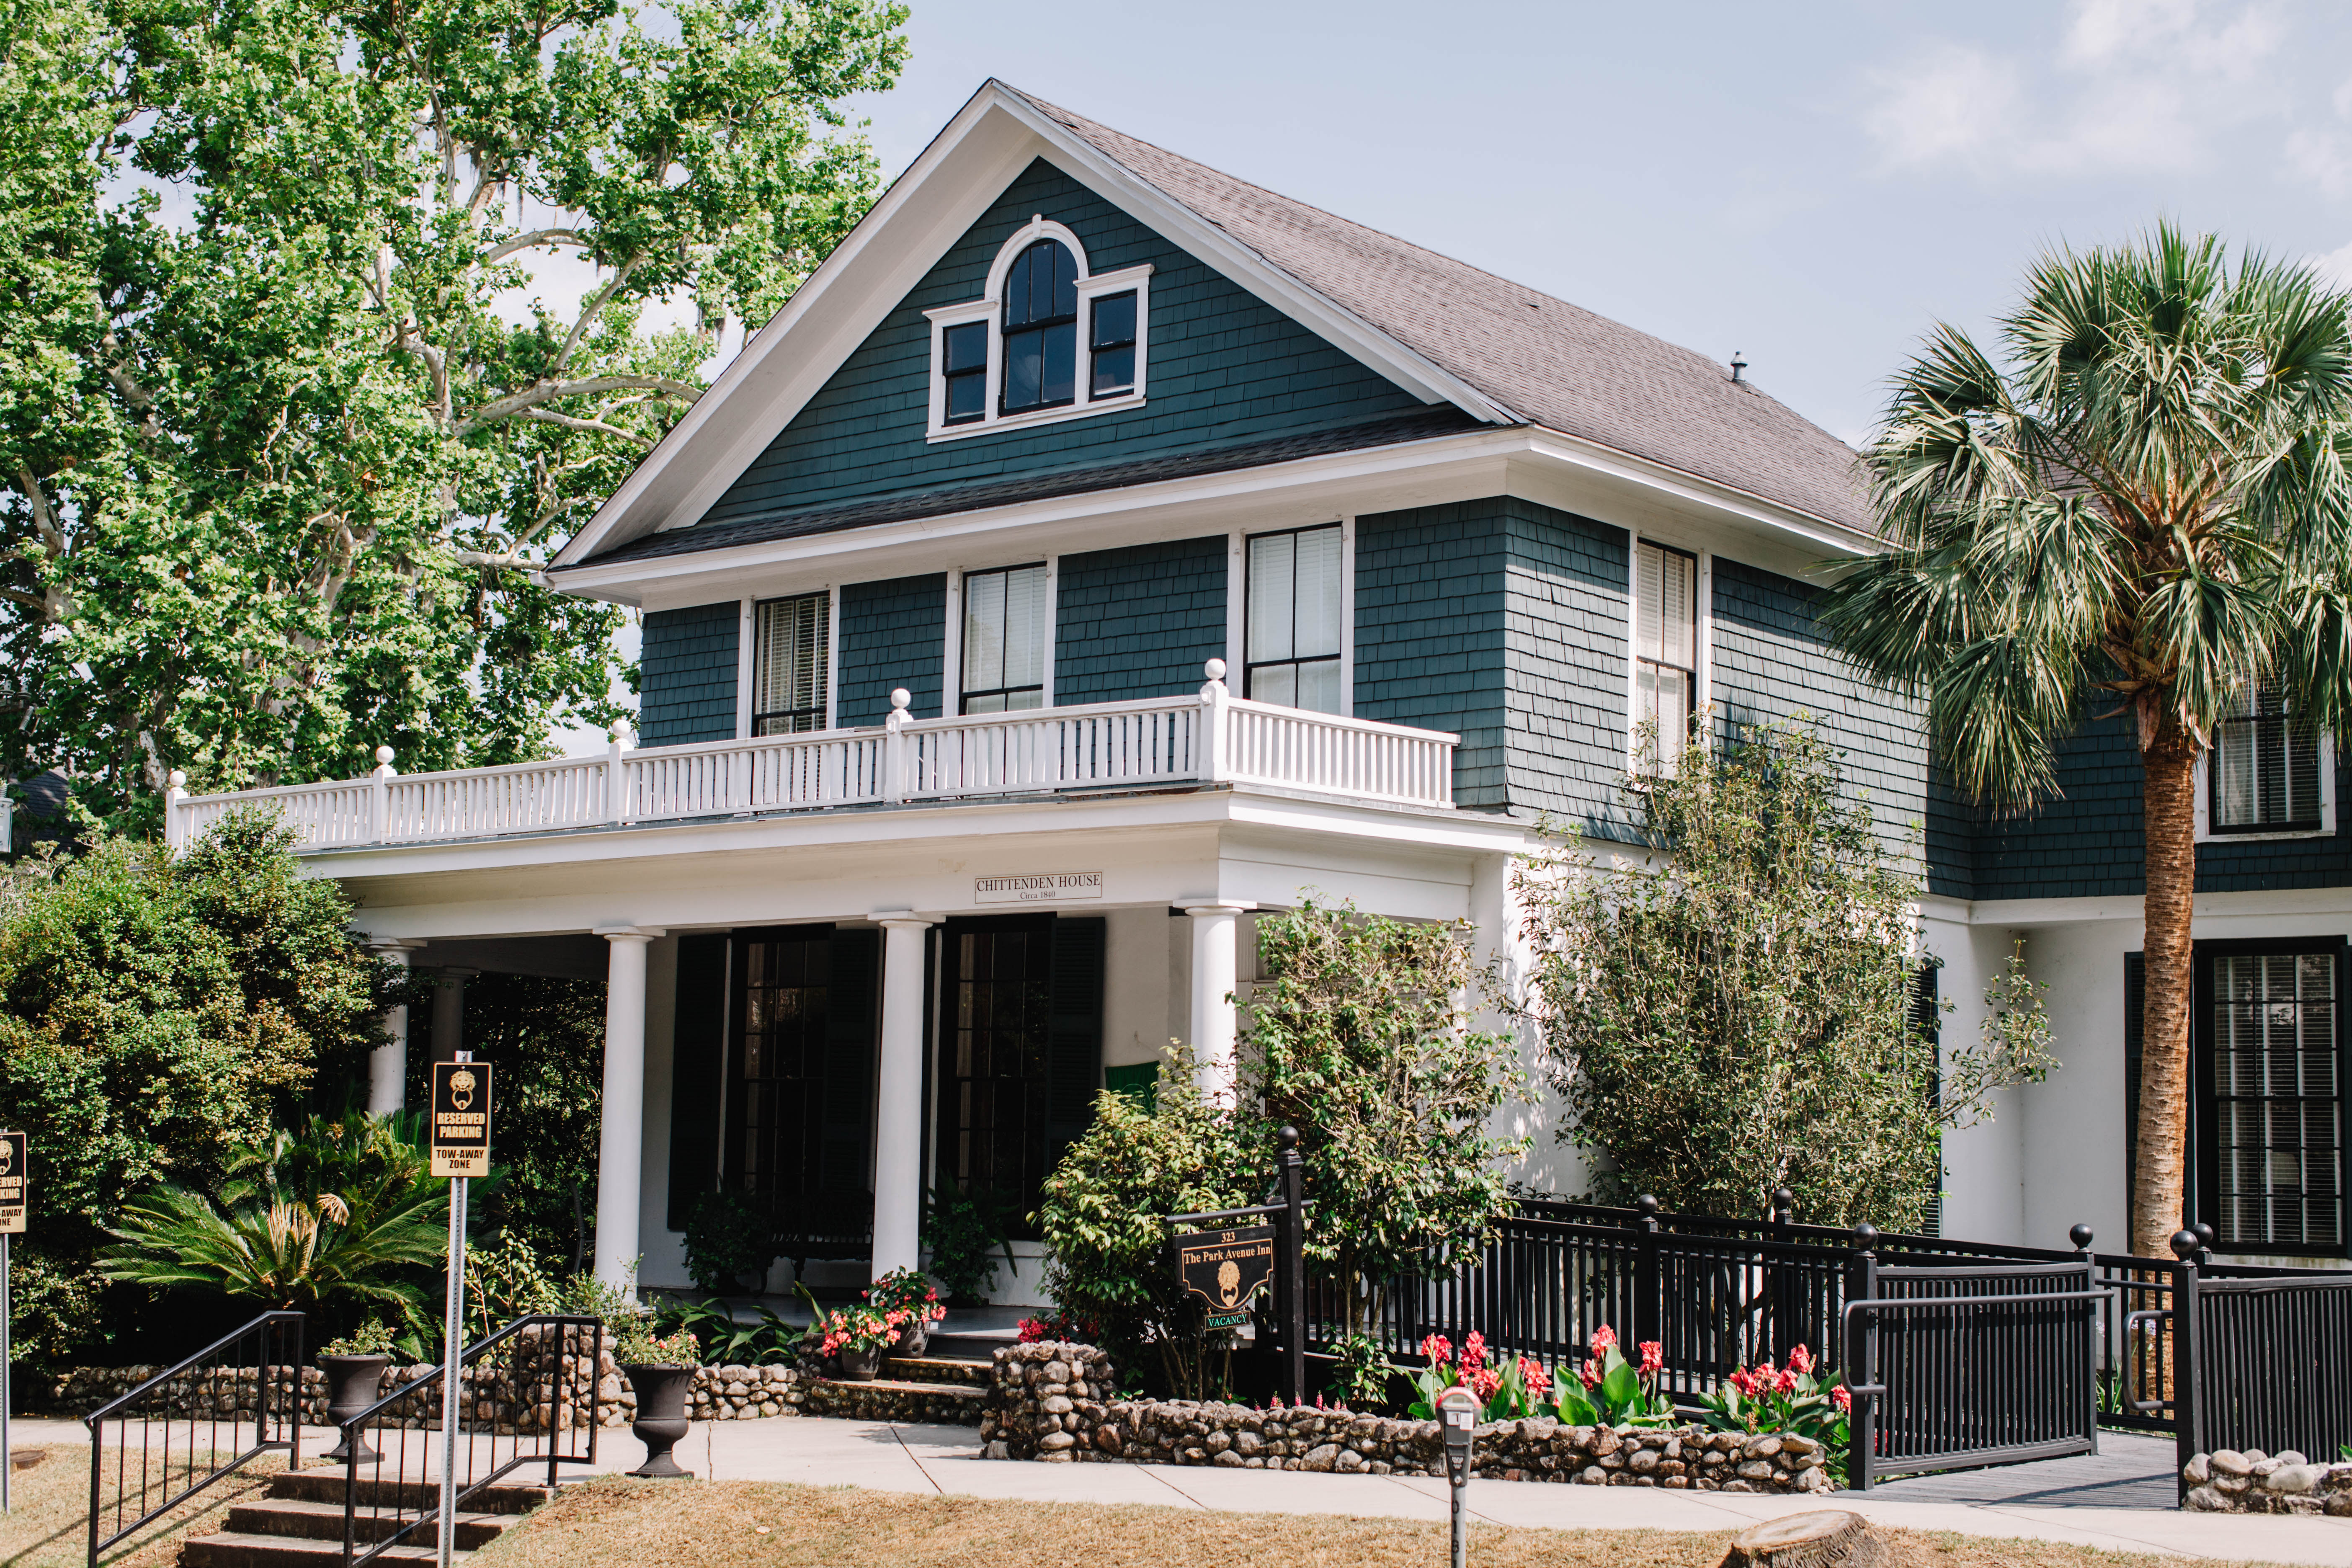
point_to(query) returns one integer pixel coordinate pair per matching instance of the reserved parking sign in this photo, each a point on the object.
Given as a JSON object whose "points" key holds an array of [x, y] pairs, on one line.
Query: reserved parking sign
{"points": [[461, 1119], [15, 1185]]}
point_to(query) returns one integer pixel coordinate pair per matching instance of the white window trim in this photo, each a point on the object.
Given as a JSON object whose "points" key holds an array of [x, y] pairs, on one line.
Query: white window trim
{"points": [[953, 684], [2327, 829], [747, 651], [989, 308], [1702, 642], [833, 656], [1237, 606]]}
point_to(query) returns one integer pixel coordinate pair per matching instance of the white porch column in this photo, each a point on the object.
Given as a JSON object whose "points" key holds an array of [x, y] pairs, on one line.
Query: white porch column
{"points": [[899, 1097], [620, 1155], [1215, 1037], [388, 1063], [449, 1012]]}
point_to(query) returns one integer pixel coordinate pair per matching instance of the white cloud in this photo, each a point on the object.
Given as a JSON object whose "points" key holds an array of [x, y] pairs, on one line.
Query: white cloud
{"points": [[2323, 158], [2336, 266], [2136, 86]]}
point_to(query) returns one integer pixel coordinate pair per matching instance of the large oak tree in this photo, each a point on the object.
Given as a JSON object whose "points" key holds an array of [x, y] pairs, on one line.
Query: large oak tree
{"points": [[279, 451]]}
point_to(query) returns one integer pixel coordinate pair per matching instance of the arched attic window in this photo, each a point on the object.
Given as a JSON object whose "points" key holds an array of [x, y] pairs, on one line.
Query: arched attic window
{"points": [[1048, 340]]}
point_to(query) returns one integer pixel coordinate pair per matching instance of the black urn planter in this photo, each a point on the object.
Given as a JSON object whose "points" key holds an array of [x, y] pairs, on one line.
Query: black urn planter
{"points": [[859, 1366], [353, 1382], [661, 1414], [914, 1341]]}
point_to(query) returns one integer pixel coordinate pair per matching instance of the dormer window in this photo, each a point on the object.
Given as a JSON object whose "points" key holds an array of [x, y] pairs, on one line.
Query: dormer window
{"points": [[1049, 339]]}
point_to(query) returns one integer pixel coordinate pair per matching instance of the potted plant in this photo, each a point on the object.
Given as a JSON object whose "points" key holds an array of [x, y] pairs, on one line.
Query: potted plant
{"points": [[661, 1370], [354, 1367], [858, 1335], [908, 1291]]}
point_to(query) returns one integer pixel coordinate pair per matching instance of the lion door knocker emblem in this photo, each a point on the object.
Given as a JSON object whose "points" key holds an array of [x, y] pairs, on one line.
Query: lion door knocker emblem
{"points": [[461, 1090], [7, 1155], [1229, 1281]]}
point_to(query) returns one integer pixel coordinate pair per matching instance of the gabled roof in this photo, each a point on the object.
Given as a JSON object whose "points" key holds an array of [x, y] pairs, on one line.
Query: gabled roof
{"points": [[1500, 353], [1549, 362]]}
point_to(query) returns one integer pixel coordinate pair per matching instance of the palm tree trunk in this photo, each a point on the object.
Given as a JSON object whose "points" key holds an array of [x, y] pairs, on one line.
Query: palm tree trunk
{"points": [[2168, 799]]}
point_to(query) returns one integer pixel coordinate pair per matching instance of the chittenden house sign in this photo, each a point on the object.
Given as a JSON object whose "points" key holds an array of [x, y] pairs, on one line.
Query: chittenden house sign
{"points": [[1049, 886]]}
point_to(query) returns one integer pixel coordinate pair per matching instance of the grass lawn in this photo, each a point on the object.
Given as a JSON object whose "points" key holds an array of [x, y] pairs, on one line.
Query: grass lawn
{"points": [[48, 1522], [616, 1523]]}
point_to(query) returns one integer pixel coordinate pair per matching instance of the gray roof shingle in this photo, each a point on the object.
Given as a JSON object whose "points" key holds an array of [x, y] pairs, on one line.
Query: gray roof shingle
{"points": [[1549, 362]]}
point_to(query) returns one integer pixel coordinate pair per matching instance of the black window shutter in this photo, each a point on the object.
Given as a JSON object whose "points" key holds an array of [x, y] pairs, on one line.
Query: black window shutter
{"points": [[2135, 995], [1928, 1021], [697, 1058], [1073, 1064], [849, 1059]]}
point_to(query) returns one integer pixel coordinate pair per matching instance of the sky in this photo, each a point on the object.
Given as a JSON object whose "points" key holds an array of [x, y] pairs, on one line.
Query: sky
{"points": [[1809, 185]]}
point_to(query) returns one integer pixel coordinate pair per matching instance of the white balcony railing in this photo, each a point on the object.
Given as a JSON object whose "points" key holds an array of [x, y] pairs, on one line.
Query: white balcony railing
{"points": [[1214, 737]]}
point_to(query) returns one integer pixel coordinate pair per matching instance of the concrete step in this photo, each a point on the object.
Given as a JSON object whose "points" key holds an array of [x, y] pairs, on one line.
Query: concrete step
{"points": [[324, 1521], [325, 1484], [980, 1347], [929, 1368], [232, 1549]]}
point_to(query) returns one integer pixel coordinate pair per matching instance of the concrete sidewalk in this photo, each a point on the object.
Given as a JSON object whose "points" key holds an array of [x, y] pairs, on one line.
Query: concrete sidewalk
{"points": [[814, 1451]]}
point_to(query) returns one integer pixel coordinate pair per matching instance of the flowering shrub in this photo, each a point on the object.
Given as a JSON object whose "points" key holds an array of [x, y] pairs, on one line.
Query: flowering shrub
{"points": [[1057, 1326], [1799, 1399], [1611, 1391], [907, 1290], [859, 1328]]}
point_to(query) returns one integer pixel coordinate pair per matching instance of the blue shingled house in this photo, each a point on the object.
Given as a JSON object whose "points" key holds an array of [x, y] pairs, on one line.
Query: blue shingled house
{"points": [[1099, 549]]}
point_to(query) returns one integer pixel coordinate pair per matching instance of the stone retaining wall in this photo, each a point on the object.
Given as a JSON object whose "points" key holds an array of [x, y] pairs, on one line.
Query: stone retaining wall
{"points": [[1051, 1401], [729, 1393], [2226, 1481]]}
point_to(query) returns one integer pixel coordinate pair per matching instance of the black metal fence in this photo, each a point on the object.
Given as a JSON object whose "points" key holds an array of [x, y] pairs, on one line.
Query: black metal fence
{"points": [[160, 1443], [528, 1396], [1957, 1364], [1974, 1352]]}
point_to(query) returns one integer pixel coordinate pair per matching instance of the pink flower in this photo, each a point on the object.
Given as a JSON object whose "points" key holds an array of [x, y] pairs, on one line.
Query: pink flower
{"points": [[1742, 1384], [1840, 1398], [1438, 1349], [1589, 1372], [1785, 1384], [1484, 1381], [1654, 1356], [1474, 1351], [1604, 1340], [1801, 1359], [1532, 1374]]}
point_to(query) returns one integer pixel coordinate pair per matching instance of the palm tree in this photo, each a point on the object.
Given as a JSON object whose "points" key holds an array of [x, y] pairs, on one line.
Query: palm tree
{"points": [[344, 1213], [2144, 508]]}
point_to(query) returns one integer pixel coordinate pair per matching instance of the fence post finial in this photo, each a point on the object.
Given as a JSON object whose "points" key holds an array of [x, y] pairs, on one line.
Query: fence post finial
{"points": [[1784, 1206], [175, 791], [379, 795], [1215, 753], [2080, 1235], [895, 771]]}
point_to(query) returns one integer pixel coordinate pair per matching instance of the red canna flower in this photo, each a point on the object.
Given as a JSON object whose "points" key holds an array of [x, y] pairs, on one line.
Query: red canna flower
{"points": [[1591, 1373], [1786, 1383], [1474, 1351], [1532, 1374], [1484, 1381], [1742, 1383], [1654, 1356], [1801, 1359], [1604, 1340], [1840, 1398], [1438, 1349]]}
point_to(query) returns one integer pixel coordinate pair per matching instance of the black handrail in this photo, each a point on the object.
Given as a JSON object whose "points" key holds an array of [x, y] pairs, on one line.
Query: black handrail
{"points": [[153, 1399], [560, 1372]]}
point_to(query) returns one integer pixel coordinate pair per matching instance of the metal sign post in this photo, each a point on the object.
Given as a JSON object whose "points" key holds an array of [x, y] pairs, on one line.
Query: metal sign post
{"points": [[1226, 1269], [460, 1150], [15, 1190], [1457, 1411]]}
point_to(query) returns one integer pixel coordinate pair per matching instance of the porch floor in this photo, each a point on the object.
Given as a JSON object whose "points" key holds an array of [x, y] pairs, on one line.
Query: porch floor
{"points": [[2131, 1470]]}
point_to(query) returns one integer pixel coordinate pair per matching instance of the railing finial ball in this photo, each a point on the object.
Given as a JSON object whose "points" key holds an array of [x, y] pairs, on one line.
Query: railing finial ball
{"points": [[1783, 1198], [1646, 1205], [178, 780], [2080, 1237], [382, 755], [1866, 1235], [1287, 1139], [2185, 1244], [900, 697], [1215, 668]]}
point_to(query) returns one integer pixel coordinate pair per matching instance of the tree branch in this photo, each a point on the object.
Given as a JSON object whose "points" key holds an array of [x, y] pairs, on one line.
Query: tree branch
{"points": [[531, 241], [596, 425], [549, 390], [594, 307]]}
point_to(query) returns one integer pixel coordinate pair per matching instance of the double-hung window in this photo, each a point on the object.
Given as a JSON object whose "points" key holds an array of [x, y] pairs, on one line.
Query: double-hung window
{"points": [[1665, 653], [1295, 615], [1112, 344], [2271, 1110], [963, 367], [2264, 773], [791, 637], [1005, 624]]}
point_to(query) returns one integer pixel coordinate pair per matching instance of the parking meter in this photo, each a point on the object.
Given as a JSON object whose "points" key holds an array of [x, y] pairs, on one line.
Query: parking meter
{"points": [[1457, 1425]]}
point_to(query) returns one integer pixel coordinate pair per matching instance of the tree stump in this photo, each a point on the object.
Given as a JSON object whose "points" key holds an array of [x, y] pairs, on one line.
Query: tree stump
{"points": [[1827, 1538]]}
